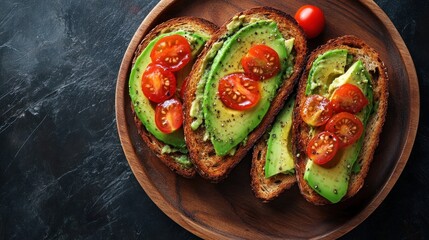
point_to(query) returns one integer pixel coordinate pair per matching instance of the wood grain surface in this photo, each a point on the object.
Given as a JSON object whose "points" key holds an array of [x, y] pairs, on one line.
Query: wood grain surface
{"points": [[229, 209]]}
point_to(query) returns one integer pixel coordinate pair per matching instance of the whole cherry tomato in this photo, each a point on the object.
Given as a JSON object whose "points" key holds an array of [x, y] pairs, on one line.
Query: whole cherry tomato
{"points": [[311, 19]]}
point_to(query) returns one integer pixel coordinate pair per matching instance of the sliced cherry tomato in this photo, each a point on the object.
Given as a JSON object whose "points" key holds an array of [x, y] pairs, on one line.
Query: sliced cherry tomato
{"points": [[173, 52], [346, 126], [158, 84], [322, 148], [237, 91], [311, 19], [169, 115], [348, 98], [261, 62], [316, 110]]}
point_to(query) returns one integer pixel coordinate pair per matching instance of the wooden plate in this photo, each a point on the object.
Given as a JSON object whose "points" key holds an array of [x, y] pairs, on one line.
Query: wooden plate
{"points": [[229, 209]]}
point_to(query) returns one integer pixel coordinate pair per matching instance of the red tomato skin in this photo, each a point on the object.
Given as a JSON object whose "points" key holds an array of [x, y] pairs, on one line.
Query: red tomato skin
{"points": [[261, 62], [311, 19], [325, 150], [316, 106], [173, 52], [348, 98], [248, 88], [169, 115], [356, 127], [183, 88], [151, 78]]}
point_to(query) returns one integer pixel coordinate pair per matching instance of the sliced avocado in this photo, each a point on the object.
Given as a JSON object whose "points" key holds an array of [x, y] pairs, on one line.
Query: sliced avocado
{"points": [[196, 111], [279, 158], [289, 45], [332, 182], [228, 127], [324, 70], [144, 109], [355, 75]]}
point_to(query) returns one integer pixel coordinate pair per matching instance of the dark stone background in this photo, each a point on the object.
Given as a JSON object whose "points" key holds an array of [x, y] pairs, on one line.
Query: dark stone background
{"points": [[63, 174]]}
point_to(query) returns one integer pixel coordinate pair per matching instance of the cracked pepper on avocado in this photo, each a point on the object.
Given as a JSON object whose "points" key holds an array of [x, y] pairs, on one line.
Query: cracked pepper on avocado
{"points": [[156, 79], [239, 82], [332, 182], [340, 110], [238, 85], [143, 105], [227, 127]]}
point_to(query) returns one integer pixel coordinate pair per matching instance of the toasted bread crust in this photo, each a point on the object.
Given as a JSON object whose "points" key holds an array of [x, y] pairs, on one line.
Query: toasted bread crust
{"points": [[267, 189], [181, 23], [156, 146], [208, 164], [191, 24], [377, 69]]}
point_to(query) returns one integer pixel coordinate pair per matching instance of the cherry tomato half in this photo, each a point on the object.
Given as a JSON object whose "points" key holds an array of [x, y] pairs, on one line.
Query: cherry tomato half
{"points": [[346, 126], [322, 148], [173, 52], [158, 84], [311, 19], [169, 115], [316, 110], [348, 98], [261, 62], [239, 92]]}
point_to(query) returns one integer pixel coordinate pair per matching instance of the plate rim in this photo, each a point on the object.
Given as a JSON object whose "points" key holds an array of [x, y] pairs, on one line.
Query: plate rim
{"points": [[203, 231]]}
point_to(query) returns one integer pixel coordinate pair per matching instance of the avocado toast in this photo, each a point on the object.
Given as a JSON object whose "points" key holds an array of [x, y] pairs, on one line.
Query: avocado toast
{"points": [[273, 168], [170, 147], [217, 136], [343, 61]]}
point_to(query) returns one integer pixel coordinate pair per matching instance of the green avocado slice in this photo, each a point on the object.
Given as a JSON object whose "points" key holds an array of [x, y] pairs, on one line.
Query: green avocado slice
{"points": [[324, 70], [279, 158], [145, 110], [227, 127]]}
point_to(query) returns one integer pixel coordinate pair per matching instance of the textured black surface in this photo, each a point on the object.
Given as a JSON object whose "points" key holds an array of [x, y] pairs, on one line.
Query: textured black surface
{"points": [[63, 174]]}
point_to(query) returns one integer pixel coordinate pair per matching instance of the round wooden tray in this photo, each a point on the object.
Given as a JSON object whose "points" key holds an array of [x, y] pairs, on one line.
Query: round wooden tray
{"points": [[229, 209]]}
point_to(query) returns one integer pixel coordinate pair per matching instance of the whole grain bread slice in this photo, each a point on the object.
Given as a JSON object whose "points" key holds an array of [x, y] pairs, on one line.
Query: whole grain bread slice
{"points": [[375, 66], [189, 24], [208, 164]]}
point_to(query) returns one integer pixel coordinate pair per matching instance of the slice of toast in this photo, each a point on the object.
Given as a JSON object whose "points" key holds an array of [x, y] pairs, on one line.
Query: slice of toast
{"points": [[375, 66], [208, 164], [190, 24], [267, 189]]}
